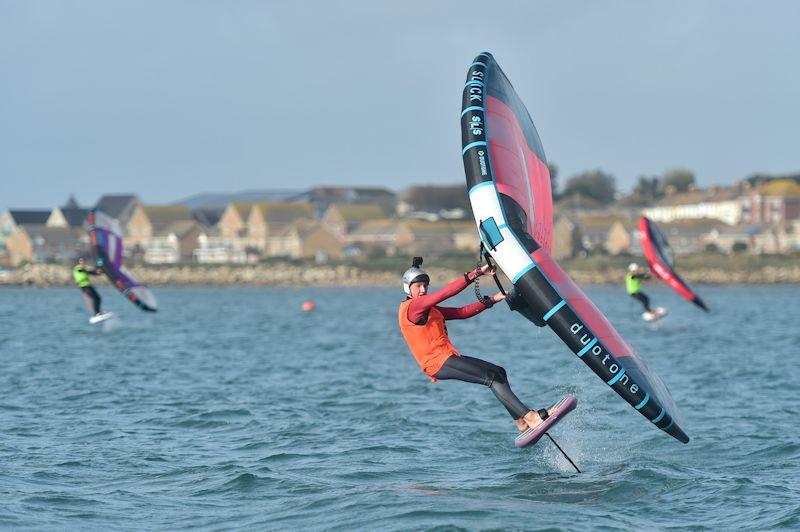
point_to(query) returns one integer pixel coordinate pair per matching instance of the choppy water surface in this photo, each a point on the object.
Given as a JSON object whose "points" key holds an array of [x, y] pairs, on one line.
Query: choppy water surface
{"points": [[231, 408]]}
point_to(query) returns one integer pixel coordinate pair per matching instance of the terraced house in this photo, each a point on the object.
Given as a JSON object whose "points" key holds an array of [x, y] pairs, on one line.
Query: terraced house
{"points": [[161, 234]]}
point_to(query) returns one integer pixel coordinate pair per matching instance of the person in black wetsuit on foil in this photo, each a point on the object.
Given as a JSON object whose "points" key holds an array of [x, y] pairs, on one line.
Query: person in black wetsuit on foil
{"points": [[422, 322], [633, 281], [81, 275]]}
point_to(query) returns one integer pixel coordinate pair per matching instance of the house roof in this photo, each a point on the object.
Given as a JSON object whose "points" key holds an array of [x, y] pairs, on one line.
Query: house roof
{"points": [[283, 212], [691, 228], [353, 193], [181, 228], [29, 217], [161, 216], [781, 187], [55, 236], [376, 227], [711, 195], [302, 228], [208, 216], [603, 221], [116, 205], [739, 230], [358, 212], [243, 209], [75, 216]]}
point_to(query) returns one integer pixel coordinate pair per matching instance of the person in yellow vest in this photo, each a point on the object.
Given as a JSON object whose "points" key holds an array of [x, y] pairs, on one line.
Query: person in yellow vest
{"points": [[422, 323], [633, 281], [81, 275]]}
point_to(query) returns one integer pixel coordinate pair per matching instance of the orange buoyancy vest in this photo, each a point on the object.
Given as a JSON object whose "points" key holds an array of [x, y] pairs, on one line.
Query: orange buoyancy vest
{"points": [[429, 342]]}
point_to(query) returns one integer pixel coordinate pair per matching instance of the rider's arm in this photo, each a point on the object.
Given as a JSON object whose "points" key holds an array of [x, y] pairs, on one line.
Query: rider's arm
{"points": [[420, 305], [467, 311]]}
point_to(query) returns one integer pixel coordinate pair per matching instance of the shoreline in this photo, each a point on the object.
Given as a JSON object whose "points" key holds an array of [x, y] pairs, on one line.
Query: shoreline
{"points": [[591, 272]]}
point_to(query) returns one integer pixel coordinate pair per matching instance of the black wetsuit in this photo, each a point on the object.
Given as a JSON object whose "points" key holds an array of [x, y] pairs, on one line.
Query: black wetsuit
{"points": [[92, 293], [643, 299], [477, 371]]}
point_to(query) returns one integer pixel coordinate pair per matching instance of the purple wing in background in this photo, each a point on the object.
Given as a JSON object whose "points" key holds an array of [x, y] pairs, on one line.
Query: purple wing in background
{"points": [[106, 238]]}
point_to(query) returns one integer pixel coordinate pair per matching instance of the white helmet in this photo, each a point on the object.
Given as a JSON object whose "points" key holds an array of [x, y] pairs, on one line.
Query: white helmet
{"points": [[632, 267], [414, 274]]}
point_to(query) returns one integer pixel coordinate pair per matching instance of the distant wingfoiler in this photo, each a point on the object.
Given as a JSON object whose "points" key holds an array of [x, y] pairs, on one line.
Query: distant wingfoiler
{"points": [[106, 238], [662, 260], [509, 189]]}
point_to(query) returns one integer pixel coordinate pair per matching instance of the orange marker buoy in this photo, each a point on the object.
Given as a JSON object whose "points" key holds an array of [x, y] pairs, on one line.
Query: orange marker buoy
{"points": [[307, 306]]}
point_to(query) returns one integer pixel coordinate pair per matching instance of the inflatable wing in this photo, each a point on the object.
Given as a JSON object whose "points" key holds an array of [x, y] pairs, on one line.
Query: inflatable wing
{"points": [[106, 237], [509, 189], [662, 261]]}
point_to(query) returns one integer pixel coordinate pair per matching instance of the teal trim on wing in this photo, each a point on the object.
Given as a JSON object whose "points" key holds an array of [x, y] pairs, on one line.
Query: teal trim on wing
{"points": [[525, 270], [479, 185], [644, 401], [472, 145], [479, 63], [553, 310], [617, 377], [587, 347], [660, 416], [671, 421], [473, 108]]}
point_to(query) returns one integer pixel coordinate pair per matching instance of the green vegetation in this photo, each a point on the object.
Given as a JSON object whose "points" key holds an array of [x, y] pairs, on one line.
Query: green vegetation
{"points": [[594, 184]]}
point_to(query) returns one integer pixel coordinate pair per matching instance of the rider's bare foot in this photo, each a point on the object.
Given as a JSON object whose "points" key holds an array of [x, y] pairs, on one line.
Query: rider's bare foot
{"points": [[532, 418], [521, 424]]}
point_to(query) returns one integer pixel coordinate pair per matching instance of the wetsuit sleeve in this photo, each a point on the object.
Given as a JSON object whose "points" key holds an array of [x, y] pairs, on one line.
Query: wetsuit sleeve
{"points": [[419, 307], [467, 311]]}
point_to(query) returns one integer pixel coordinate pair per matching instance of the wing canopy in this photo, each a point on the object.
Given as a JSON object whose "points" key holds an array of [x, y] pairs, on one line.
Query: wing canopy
{"points": [[106, 237], [661, 259], [509, 189]]}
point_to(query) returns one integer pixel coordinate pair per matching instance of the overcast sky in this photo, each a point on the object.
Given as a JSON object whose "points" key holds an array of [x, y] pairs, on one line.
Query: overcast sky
{"points": [[171, 98]]}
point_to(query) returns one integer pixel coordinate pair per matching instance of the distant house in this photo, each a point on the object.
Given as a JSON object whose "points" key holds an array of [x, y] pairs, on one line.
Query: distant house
{"points": [[13, 219], [728, 237], [776, 201], [39, 243], [465, 234], [69, 215], [432, 202], [267, 220], [341, 219], [433, 237], [566, 238], [233, 222], [175, 242], [162, 233], [391, 236], [214, 249], [619, 238], [594, 228], [304, 239], [208, 217], [11, 222], [690, 236], [119, 206], [715, 203]]}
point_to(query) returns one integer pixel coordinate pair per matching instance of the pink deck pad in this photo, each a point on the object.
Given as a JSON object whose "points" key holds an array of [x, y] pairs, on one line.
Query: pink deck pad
{"points": [[531, 436]]}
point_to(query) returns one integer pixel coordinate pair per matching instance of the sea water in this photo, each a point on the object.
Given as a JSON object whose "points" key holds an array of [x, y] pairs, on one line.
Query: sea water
{"points": [[232, 409]]}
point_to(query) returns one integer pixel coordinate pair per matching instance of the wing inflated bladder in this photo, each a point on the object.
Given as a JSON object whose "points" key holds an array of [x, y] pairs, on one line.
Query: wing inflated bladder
{"points": [[661, 259], [106, 238], [509, 189]]}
